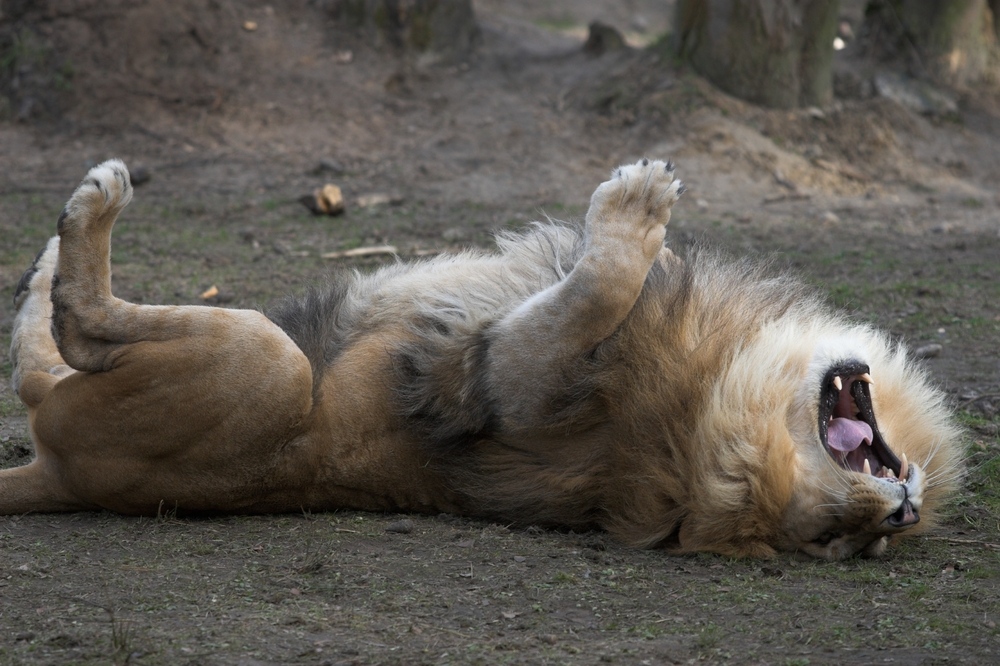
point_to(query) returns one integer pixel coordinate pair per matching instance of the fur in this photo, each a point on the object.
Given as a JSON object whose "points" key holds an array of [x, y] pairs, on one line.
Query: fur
{"points": [[581, 377]]}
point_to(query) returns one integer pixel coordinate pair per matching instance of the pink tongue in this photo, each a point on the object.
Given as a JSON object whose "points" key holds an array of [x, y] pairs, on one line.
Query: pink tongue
{"points": [[848, 434]]}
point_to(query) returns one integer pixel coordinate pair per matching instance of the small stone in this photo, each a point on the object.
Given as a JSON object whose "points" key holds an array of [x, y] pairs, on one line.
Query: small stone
{"points": [[327, 200], [378, 199], [453, 235], [329, 164], [404, 526], [931, 350], [250, 26], [829, 217], [602, 38], [139, 175]]}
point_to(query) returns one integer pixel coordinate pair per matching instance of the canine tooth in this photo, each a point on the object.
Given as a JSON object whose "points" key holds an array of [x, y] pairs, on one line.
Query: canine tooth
{"points": [[868, 467], [866, 378], [839, 384], [903, 465]]}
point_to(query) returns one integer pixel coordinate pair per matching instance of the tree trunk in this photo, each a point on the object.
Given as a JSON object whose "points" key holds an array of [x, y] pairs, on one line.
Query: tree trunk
{"points": [[777, 53], [435, 30], [950, 40]]}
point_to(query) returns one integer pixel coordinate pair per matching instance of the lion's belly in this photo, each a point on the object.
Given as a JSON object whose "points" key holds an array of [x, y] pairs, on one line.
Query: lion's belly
{"points": [[369, 458]]}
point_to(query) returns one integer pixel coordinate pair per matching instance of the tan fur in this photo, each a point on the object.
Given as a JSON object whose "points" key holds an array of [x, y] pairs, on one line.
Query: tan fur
{"points": [[578, 379]]}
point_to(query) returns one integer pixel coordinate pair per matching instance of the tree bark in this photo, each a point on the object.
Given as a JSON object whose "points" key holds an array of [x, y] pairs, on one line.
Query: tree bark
{"points": [[437, 30], [952, 40], [777, 53]]}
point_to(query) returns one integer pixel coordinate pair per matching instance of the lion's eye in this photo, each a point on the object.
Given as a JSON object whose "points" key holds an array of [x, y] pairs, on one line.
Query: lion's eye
{"points": [[825, 538]]}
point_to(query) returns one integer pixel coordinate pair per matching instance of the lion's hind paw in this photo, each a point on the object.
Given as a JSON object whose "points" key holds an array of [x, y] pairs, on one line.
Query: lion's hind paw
{"points": [[104, 192], [38, 276]]}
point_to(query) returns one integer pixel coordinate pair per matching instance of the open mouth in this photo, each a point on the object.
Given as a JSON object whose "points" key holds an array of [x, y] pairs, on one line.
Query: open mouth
{"points": [[847, 425], [850, 434]]}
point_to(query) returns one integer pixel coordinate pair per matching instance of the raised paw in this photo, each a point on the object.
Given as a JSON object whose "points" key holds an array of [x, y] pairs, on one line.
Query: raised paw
{"points": [[634, 205], [104, 192]]}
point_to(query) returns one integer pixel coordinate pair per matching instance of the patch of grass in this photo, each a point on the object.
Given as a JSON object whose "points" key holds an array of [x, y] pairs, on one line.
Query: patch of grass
{"points": [[10, 405], [564, 578], [984, 481], [708, 637], [122, 636]]}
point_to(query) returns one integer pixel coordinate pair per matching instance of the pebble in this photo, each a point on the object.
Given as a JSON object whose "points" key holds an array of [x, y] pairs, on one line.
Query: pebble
{"points": [[931, 350], [329, 164], [404, 526], [139, 175]]}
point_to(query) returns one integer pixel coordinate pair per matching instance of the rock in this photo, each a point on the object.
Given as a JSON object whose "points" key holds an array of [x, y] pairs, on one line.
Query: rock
{"points": [[914, 95], [848, 83], [454, 235], [139, 175], [931, 350], [213, 296], [378, 199], [601, 39], [779, 177], [328, 164], [435, 32], [326, 200], [404, 526]]}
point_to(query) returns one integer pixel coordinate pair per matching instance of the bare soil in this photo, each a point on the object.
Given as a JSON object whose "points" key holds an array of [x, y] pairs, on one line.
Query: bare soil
{"points": [[894, 215]]}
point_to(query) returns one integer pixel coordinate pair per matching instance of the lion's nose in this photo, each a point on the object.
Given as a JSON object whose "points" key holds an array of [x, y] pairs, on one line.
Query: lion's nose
{"points": [[904, 516]]}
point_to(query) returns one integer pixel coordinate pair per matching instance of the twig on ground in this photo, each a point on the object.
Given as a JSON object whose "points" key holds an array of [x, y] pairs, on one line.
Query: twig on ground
{"points": [[368, 251]]}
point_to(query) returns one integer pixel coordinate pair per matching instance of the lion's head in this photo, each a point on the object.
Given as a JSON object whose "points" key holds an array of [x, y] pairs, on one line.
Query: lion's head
{"points": [[875, 450], [780, 427]]}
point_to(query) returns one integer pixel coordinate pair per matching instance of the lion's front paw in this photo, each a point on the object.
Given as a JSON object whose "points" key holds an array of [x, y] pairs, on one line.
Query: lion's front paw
{"points": [[106, 189], [634, 205]]}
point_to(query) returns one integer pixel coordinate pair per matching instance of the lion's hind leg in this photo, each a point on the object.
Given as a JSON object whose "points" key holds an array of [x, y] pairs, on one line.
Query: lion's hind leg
{"points": [[81, 289], [37, 368], [37, 363]]}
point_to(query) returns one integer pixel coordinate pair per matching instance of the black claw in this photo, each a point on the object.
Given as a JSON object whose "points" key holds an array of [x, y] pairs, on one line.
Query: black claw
{"points": [[670, 166], [62, 220], [645, 161], [682, 189]]}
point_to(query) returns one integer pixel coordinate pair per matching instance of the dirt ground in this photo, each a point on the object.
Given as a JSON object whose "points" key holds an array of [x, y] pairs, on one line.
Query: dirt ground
{"points": [[893, 214]]}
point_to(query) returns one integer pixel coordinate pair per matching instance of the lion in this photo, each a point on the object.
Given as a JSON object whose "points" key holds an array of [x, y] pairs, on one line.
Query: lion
{"points": [[575, 377]]}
